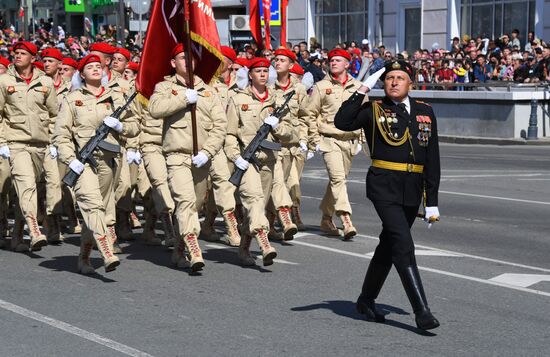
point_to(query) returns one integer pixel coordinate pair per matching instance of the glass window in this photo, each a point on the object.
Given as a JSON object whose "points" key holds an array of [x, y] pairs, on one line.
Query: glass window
{"points": [[493, 18], [513, 21], [331, 31], [355, 29], [412, 29], [340, 20], [331, 6], [481, 21]]}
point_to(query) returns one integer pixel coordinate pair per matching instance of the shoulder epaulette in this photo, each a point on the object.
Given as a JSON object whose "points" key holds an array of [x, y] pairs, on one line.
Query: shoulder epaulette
{"points": [[421, 102]]}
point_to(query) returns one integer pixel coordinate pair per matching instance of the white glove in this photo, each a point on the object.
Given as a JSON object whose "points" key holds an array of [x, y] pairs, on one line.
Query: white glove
{"points": [[113, 123], [242, 77], [192, 96], [359, 147], [273, 121], [317, 148], [5, 152], [76, 166], [133, 157], [432, 215], [310, 155], [53, 152], [242, 163], [373, 78], [200, 159], [303, 146], [308, 81]]}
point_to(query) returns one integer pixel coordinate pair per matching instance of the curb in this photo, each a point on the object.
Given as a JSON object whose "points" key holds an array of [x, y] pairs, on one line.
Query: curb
{"points": [[492, 141]]}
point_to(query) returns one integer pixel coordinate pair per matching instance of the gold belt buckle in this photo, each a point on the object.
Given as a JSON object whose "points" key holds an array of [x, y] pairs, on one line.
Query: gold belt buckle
{"points": [[410, 167]]}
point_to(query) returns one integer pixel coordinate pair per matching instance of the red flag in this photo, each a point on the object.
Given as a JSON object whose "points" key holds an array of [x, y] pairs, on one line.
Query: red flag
{"points": [[166, 30], [267, 18], [283, 39], [256, 22], [21, 12]]}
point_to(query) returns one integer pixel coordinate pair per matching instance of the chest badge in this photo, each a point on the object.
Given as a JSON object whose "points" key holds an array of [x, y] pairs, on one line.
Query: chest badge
{"points": [[328, 91], [207, 94], [244, 107], [174, 92], [78, 103], [11, 89]]}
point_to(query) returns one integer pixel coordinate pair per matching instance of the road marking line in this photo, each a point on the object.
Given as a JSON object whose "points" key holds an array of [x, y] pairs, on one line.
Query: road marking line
{"points": [[431, 270], [534, 179], [90, 336], [495, 197], [523, 280], [281, 261], [448, 192], [217, 246]]}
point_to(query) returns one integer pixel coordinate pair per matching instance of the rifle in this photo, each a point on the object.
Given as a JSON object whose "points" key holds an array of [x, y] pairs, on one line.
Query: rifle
{"points": [[87, 152], [249, 153]]}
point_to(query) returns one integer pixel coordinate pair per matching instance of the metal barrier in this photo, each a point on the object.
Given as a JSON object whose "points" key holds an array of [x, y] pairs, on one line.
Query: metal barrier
{"points": [[487, 86]]}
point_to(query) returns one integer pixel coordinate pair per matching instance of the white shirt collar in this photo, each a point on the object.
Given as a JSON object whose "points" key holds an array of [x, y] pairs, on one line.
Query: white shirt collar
{"points": [[407, 103]]}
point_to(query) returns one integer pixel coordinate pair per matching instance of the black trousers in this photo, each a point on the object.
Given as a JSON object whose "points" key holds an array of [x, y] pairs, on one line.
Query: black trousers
{"points": [[396, 245]]}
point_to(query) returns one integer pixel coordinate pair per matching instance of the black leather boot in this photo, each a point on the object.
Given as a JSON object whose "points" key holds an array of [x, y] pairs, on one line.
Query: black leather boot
{"points": [[374, 279], [410, 277]]}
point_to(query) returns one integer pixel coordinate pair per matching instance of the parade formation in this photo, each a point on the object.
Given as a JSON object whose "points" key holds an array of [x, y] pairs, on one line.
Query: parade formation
{"points": [[79, 145]]}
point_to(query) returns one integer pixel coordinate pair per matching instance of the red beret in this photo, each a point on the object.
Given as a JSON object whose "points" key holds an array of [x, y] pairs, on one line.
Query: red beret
{"points": [[297, 69], [229, 53], [88, 59], [4, 61], [339, 52], [123, 52], [27, 46], [258, 62], [70, 62], [38, 65], [53, 53], [286, 52], [133, 66], [242, 62], [103, 48], [177, 50]]}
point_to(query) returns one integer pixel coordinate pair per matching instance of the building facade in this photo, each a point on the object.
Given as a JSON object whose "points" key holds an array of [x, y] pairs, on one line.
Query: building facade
{"points": [[403, 24]]}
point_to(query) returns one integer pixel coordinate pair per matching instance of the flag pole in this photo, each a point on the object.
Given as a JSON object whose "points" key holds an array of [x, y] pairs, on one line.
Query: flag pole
{"points": [[191, 83]]}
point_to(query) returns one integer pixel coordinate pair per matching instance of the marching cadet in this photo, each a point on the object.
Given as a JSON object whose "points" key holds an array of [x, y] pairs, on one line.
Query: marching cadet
{"points": [[131, 71], [121, 58], [338, 147], [248, 109], [403, 142], [113, 79], [28, 104], [293, 149], [52, 57], [221, 195], [68, 67], [82, 112], [5, 180], [187, 173]]}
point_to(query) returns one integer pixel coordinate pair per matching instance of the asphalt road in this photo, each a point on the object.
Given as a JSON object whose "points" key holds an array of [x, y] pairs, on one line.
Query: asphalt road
{"points": [[485, 266]]}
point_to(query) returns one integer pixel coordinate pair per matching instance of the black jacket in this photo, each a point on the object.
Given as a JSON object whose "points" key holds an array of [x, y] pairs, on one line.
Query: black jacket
{"points": [[394, 186]]}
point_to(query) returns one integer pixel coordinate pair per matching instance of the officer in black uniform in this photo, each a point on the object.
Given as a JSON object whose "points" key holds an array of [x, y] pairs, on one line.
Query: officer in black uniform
{"points": [[402, 137]]}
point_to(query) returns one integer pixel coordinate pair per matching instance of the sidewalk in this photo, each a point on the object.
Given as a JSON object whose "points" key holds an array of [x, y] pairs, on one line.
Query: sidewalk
{"points": [[491, 141]]}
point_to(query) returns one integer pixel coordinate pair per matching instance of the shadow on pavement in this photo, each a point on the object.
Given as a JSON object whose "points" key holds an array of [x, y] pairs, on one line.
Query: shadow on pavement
{"points": [[347, 309], [69, 263]]}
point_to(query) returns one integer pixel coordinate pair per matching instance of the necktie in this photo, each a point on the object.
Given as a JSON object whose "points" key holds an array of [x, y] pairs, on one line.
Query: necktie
{"points": [[403, 107]]}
